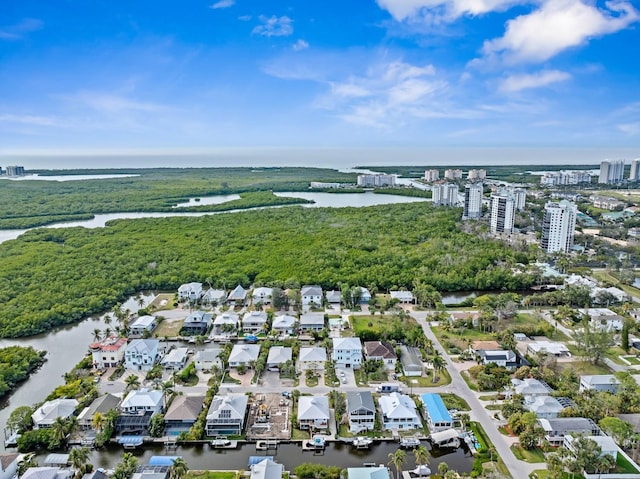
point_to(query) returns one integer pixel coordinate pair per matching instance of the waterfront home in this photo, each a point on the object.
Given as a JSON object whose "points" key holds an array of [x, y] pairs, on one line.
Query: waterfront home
{"points": [[528, 387], [284, 325], [334, 298], [311, 322], [141, 354], [411, 361], [182, 413], [190, 291], [375, 472], [44, 416], [254, 322], [313, 413], [381, 351], [142, 326], [102, 405], [312, 358], [361, 410], [267, 469], [262, 295], [436, 413], [545, 407], [156, 469], [311, 295], [215, 297], [8, 465], [140, 401], [278, 355], [606, 443], [226, 325], [226, 415], [175, 359], [365, 295], [555, 429], [238, 296], [244, 354], [501, 357], [465, 316], [599, 382], [207, 359], [403, 297], [108, 352], [605, 295], [347, 352], [603, 319], [196, 324], [399, 412], [47, 473]]}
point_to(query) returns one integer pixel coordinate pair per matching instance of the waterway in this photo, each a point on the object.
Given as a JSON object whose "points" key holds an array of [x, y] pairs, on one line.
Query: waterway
{"points": [[335, 200]]}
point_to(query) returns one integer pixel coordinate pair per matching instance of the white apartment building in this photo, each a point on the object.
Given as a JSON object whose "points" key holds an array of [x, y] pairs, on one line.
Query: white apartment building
{"points": [[557, 178], [453, 174], [634, 173], [472, 201], [431, 175], [444, 194], [520, 196], [611, 171], [476, 175], [503, 208], [558, 226], [371, 181]]}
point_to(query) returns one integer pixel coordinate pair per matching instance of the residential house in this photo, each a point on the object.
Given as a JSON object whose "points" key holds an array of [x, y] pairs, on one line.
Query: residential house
{"points": [[311, 295], [196, 324], [215, 297], [207, 359], [278, 355], [142, 326], [334, 298], [463, 316], [313, 412], [243, 354], [156, 469], [140, 401], [108, 353], [361, 411], [381, 351], [436, 413], [141, 354], [365, 295], [237, 297], [600, 382], [411, 361], [347, 352], [226, 324], [549, 347], [375, 472], [555, 429], [312, 358], [284, 325], [8, 465], [44, 416], [102, 405], [403, 297], [606, 443], [46, 473], [545, 407], [267, 469], [528, 387], [175, 359], [226, 415], [190, 291], [501, 357], [254, 322], [399, 412], [311, 322], [182, 413], [262, 295]]}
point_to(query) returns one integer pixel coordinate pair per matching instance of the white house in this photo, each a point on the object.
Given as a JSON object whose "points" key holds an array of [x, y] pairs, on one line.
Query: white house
{"points": [[227, 414], [545, 407], [381, 351], [311, 295], [226, 324], [243, 354], [215, 296], [141, 354], [600, 382], [361, 410], [284, 325], [403, 297], [347, 352], [313, 412], [312, 358], [549, 347], [254, 322], [277, 356], [238, 296], [190, 291], [365, 295], [556, 429], [262, 295], [501, 357], [606, 443], [310, 322], [8, 465], [44, 416], [176, 359], [207, 359], [142, 325], [375, 472], [528, 387], [267, 469], [108, 353], [141, 401], [399, 412], [333, 297]]}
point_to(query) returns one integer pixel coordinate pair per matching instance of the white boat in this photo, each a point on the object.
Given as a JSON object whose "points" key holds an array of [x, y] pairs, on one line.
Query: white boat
{"points": [[422, 470], [317, 442], [362, 442], [220, 442], [409, 442]]}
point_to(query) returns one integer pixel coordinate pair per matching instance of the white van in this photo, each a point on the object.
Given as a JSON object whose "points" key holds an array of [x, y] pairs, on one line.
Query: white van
{"points": [[388, 388]]}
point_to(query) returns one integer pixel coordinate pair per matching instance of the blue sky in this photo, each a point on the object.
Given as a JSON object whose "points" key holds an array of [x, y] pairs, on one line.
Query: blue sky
{"points": [[141, 74]]}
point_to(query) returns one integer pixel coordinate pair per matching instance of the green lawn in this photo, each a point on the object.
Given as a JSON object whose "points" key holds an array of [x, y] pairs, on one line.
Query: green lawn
{"points": [[210, 475], [544, 474], [632, 360], [623, 466], [585, 367], [451, 401], [427, 381], [533, 456], [168, 329]]}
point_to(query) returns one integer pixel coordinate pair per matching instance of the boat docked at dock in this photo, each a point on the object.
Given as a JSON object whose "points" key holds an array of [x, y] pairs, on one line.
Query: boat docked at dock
{"points": [[409, 442], [317, 442], [446, 438], [362, 442]]}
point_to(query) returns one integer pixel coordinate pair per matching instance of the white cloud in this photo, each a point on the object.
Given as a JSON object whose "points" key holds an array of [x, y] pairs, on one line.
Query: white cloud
{"points": [[33, 120], [19, 30], [245, 18], [223, 4], [274, 26], [556, 26], [515, 83], [300, 45], [109, 103], [631, 129], [436, 11]]}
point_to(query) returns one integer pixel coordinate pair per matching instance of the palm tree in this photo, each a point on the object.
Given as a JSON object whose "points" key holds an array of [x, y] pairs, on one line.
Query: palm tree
{"points": [[79, 457], [397, 458], [179, 468], [141, 302], [99, 421], [132, 381], [97, 335], [443, 467], [107, 332], [59, 432], [421, 457], [438, 365]]}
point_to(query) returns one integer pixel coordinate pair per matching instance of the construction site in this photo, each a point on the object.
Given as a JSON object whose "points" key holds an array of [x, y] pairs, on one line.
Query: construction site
{"points": [[269, 417]]}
